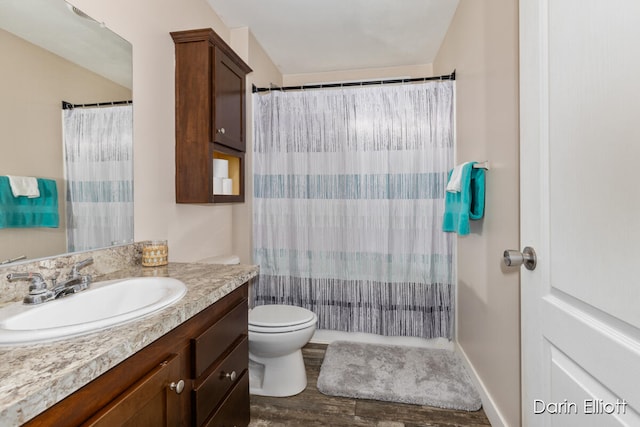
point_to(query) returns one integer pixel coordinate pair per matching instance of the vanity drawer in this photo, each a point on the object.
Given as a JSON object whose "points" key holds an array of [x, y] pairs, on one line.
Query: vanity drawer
{"points": [[209, 346], [234, 411], [209, 393]]}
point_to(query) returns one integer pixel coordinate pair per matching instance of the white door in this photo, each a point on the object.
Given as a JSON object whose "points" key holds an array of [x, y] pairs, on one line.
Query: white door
{"points": [[580, 211]]}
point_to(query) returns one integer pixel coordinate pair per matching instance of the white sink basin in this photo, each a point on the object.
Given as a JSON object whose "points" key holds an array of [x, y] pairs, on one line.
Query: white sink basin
{"points": [[103, 305]]}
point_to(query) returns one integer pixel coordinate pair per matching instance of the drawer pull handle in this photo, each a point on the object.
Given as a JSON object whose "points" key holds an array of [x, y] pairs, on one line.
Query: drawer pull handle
{"points": [[231, 376], [221, 130], [177, 387]]}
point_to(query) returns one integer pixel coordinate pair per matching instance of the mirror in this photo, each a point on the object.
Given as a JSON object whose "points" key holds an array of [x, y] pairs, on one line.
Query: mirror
{"points": [[51, 52]]}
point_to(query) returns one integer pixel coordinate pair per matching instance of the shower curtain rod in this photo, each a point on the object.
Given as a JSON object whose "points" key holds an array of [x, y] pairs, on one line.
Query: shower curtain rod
{"points": [[451, 76], [69, 106]]}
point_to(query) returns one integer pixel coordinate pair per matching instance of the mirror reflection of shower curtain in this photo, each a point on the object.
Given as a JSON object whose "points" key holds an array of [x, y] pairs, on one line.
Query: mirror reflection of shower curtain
{"points": [[349, 189], [98, 154]]}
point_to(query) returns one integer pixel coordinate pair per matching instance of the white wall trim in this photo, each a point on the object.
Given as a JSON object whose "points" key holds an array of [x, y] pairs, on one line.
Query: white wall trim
{"points": [[490, 409]]}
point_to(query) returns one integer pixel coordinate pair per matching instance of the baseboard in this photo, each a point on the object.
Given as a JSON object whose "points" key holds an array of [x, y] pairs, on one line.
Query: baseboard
{"points": [[325, 336], [490, 409]]}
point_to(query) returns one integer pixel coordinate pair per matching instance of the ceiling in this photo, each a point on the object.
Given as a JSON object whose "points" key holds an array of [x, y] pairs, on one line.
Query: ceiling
{"points": [[52, 25], [303, 36], [300, 36]]}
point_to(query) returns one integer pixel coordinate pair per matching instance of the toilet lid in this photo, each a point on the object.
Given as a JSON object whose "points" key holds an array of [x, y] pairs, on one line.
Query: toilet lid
{"points": [[277, 316]]}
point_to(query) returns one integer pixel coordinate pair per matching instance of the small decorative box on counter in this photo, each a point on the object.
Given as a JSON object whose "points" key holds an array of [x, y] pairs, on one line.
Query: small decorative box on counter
{"points": [[155, 253]]}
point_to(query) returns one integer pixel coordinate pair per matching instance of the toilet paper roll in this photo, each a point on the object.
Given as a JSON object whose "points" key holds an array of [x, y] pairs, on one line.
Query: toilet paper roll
{"points": [[217, 185], [227, 186], [220, 168]]}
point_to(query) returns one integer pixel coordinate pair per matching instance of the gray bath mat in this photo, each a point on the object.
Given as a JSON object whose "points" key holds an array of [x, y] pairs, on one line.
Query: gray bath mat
{"points": [[420, 376]]}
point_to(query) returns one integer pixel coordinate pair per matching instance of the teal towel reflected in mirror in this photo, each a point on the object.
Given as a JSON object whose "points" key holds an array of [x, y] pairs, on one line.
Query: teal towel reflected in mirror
{"points": [[468, 204], [24, 212]]}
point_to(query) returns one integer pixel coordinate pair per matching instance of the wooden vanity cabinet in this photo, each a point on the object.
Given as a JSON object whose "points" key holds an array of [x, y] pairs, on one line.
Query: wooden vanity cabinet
{"points": [[210, 114], [208, 352]]}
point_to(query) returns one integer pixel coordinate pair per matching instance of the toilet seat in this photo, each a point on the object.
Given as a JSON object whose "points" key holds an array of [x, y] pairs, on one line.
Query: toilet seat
{"points": [[278, 318]]}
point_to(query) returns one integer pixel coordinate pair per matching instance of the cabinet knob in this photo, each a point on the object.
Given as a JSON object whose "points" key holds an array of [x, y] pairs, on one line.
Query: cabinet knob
{"points": [[221, 130], [231, 376], [177, 387]]}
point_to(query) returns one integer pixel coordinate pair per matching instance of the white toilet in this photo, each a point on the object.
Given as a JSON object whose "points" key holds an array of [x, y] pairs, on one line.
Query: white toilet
{"points": [[277, 334]]}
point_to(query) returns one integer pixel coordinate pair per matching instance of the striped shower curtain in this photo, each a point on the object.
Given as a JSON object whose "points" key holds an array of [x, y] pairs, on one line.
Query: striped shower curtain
{"points": [[349, 189], [98, 160]]}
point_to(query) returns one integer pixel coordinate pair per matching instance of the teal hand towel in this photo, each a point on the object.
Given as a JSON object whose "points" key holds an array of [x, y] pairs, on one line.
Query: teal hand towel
{"points": [[468, 204], [24, 212]]}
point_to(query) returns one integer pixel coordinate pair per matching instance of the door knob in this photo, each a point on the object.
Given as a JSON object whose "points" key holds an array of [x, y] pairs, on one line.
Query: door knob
{"points": [[221, 130], [177, 387], [514, 258]]}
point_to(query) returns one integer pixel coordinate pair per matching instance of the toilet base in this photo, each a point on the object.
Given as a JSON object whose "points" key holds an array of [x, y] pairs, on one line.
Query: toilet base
{"points": [[277, 376]]}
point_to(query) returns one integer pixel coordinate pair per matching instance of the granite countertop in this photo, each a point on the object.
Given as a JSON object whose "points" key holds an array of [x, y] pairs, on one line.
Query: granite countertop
{"points": [[35, 377]]}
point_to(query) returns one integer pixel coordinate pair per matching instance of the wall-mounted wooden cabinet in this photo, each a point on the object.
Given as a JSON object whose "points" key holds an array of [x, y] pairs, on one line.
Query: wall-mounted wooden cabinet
{"points": [[210, 117]]}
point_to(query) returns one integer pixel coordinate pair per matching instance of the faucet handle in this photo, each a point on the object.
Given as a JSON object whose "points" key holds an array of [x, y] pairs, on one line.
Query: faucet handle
{"points": [[38, 284], [79, 265]]}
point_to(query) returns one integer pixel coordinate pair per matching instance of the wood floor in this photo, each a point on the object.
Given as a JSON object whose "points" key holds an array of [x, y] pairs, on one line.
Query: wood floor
{"points": [[312, 408]]}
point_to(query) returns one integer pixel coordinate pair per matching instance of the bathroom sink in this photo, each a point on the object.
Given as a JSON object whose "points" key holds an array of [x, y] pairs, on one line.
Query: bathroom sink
{"points": [[103, 305]]}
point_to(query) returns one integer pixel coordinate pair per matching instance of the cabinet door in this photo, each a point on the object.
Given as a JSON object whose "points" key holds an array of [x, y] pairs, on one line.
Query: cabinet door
{"points": [[229, 111], [150, 402]]}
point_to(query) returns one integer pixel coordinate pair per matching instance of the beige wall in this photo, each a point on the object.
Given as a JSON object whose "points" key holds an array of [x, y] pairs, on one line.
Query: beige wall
{"points": [[193, 231], [482, 44], [33, 82]]}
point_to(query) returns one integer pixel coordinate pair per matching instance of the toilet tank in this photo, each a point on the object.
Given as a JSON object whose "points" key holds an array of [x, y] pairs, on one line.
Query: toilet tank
{"points": [[225, 260], [222, 259]]}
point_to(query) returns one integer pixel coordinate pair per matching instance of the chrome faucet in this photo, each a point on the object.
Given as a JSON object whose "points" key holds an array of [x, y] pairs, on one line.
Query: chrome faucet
{"points": [[74, 273], [39, 292]]}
